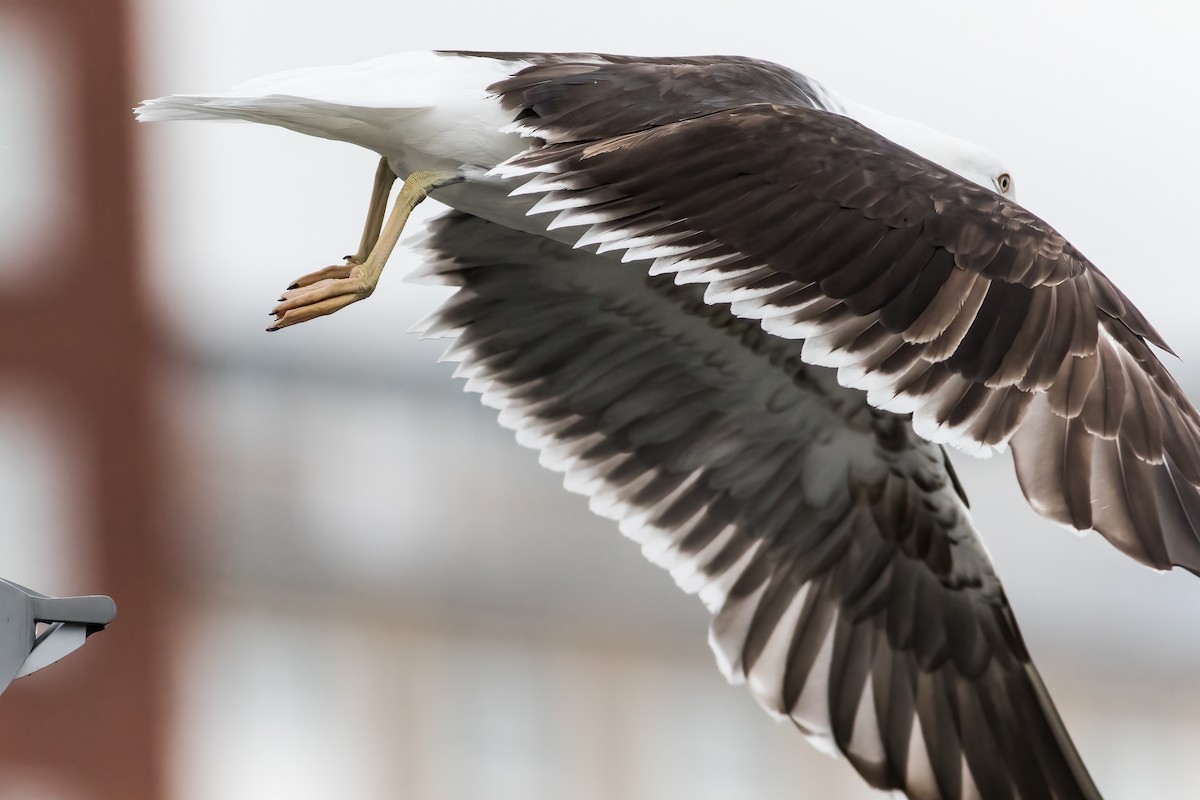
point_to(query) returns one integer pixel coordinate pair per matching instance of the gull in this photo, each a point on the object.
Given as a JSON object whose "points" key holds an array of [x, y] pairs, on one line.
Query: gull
{"points": [[745, 315]]}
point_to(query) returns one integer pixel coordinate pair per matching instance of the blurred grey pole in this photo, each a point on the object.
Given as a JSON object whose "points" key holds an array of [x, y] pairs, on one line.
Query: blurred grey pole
{"points": [[68, 620]]}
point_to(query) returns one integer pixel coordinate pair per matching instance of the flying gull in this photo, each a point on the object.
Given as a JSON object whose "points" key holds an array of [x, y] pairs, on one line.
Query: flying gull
{"points": [[744, 315]]}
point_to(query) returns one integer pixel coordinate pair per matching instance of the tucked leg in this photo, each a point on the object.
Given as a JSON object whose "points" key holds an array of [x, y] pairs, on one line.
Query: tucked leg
{"points": [[333, 288]]}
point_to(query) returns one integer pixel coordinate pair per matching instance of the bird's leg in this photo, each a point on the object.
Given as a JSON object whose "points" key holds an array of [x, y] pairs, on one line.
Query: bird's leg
{"points": [[384, 178], [333, 288]]}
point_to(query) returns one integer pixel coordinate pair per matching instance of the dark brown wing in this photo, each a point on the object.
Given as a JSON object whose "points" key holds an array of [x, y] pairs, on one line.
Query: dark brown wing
{"points": [[938, 297], [572, 97], [851, 592]]}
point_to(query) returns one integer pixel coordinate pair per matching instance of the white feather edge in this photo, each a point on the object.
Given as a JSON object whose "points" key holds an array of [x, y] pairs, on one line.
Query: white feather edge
{"points": [[750, 305]]}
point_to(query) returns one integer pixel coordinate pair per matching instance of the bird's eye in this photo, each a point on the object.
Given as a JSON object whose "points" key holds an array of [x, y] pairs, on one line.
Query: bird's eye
{"points": [[1004, 182]]}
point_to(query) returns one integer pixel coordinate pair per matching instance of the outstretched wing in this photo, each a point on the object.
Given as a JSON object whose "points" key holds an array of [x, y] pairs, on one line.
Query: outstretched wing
{"points": [[850, 590], [939, 298], [572, 97]]}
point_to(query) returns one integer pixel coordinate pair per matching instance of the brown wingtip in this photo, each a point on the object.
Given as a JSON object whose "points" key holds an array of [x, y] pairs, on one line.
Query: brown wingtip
{"points": [[1143, 328]]}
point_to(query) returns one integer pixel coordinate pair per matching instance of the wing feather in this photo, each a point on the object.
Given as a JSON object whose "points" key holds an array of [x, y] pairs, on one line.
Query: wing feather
{"points": [[849, 589], [934, 295]]}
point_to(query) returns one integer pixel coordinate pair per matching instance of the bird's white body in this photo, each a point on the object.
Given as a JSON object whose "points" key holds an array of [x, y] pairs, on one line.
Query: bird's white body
{"points": [[421, 110], [433, 111]]}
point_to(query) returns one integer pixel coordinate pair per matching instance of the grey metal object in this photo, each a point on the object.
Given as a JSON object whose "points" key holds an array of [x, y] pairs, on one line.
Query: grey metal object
{"points": [[69, 621]]}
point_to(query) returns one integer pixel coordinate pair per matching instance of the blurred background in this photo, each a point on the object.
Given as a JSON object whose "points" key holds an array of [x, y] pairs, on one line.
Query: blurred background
{"points": [[337, 576]]}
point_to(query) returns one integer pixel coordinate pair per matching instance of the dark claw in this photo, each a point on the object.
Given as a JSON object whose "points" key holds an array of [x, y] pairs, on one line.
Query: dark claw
{"points": [[292, 286], [272, 329]]}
